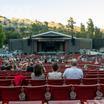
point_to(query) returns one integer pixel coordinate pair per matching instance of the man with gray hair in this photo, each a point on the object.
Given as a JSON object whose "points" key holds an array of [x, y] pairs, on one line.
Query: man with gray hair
{"points": [[73, 72]]}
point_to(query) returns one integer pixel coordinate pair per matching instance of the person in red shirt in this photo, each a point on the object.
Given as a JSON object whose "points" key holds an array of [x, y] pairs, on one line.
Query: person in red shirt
{"points": [[18, 79]]}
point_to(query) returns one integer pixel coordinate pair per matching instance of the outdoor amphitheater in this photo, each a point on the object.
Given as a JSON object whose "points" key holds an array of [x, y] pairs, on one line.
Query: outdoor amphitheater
{"points": [[52, 68], [51, 52], [87, 90]]}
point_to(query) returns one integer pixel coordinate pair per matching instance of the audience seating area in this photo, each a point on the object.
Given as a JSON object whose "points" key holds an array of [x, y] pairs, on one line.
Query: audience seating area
{"points": [[47, 93], [89, 90], [30, 82]]}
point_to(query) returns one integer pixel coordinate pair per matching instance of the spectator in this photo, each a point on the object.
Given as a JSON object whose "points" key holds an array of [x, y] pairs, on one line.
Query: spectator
{"points": [[30, 67], [38, 72], [18, 79], [55, 74], [73, 72]]}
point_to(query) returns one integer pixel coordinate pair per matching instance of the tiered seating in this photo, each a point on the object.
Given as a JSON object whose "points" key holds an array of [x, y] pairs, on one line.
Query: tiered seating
{"points": [[29, 82], [75, 92], [18, 93], [55, 93], [86, 80]]}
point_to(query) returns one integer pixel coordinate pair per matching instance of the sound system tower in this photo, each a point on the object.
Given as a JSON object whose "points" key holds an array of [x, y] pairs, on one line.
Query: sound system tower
{"points": [[73, 41], [29, 41]]}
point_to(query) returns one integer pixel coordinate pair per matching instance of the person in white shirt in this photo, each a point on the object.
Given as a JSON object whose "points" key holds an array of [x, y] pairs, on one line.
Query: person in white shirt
{"points": [[55, 74], [73, 72]]}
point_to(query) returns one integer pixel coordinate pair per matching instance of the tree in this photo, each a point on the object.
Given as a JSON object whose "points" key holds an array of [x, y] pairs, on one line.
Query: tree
{"points": [[97, 32], [2, 36], [90, 28], [45, 26], [38, 27], [70, 25], [82, 30]]}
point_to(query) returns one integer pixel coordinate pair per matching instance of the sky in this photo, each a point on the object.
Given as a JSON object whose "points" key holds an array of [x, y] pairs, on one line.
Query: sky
{"points": [[55, 10]]}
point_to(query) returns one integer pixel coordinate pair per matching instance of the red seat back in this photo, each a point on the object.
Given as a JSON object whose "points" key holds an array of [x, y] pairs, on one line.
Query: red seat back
{"points": [[72, 81], [10, 93], [34, 82], [85, 92], [5, 82], [55, 81], [89, 81], [59, 92], [35, 92]]}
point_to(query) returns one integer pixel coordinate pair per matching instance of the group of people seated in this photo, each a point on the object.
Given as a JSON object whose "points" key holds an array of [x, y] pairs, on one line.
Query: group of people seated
{"points": [[70, 73], [36, 65], [39, 73]]}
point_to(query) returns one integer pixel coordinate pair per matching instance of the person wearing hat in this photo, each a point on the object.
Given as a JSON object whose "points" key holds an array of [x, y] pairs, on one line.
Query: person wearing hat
{"points": [[73, 72]]}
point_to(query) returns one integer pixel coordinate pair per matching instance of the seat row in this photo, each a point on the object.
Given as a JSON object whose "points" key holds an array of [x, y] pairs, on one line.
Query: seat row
{"points": [[29, 82], [52, 93], [88, 75], [12, 73], [85, 76]]}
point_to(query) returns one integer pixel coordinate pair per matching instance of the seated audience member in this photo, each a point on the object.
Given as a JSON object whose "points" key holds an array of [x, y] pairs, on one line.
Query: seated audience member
{"points": [[38, 72], [55, 74], [18, 79], [73, 72], [101, 67], [30, 67]]}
